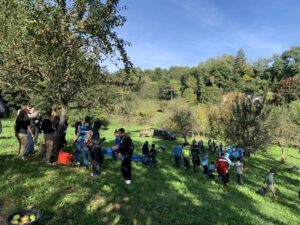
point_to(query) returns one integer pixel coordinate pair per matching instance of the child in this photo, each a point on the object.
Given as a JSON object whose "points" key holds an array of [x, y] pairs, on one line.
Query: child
{"points": [[186, 157], [153, 156], [269, 181], [195, 158], [211, 170], [204, 163], [239, 171], [146, 152]]}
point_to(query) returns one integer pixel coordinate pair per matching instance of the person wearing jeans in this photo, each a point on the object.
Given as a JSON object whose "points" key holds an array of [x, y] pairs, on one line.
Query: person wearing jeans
{"points": [[22, 125], [80, 142], [81, 148]]}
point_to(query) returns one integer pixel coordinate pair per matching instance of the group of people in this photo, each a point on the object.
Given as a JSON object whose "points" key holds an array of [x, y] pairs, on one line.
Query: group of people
{"points": [[221, 167], [149, 156], [29, 124], [87, 142]]}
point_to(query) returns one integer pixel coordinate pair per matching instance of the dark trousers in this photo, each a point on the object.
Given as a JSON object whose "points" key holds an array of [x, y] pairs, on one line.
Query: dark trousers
{"points": [[240, 178], [196, 164], [30, 145], [126, 167], [205, 169], [96, 158], [177, 161], [223, 178], [227, 178], [186, 162], [153, 162], [114, 155], [19, 141]]}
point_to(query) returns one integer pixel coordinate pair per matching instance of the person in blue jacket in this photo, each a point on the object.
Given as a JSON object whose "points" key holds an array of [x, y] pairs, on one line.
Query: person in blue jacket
{"points": [[177, 151], [204, 163]]}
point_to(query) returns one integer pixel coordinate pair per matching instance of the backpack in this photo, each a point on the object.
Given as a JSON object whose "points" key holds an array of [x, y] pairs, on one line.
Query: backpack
{"points": [[88, 141], [262, 191], [96, 138]]}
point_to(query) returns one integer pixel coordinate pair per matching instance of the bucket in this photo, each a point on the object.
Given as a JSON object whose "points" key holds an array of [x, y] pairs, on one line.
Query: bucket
{"points": [[65, 158]]}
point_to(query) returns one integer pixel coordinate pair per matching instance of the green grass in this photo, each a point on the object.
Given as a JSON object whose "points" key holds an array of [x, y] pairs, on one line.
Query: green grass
{"points": [[69, 196]]}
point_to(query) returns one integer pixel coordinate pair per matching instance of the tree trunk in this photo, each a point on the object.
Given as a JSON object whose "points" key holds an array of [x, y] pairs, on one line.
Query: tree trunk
{"points": [[59, 133], [282, 154]]}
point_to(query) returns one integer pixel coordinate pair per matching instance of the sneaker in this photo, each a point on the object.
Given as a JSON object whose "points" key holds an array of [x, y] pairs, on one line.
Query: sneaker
{"points": [[77, 164], [128, 182], [92, 174]]}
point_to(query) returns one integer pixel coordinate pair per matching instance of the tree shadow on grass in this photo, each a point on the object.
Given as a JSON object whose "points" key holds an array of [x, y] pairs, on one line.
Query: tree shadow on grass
{"points": [[166, 195]]}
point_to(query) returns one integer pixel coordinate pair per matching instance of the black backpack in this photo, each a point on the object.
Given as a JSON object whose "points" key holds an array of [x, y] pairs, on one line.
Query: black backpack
{"points": [[96, 138]]}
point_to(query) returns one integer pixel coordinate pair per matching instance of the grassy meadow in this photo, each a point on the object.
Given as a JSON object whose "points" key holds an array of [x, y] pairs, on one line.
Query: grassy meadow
{"points": [[66, 195]]}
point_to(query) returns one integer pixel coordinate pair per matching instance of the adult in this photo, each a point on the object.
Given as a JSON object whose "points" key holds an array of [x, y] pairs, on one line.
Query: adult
{"points": [[222, 168], [200, 146], [21, 127], [195, 158], [126, 149], [209, 145], [95, 148], [186, 152], [221, 147], [214, 147], [194, 143], [57, 135], [64, 140], [47, 129], [177, 151], [30, 132], [17, 125], [80, 145]]}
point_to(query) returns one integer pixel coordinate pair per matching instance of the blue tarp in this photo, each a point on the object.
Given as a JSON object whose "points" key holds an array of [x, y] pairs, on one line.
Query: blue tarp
{"points": [[108, 152]]}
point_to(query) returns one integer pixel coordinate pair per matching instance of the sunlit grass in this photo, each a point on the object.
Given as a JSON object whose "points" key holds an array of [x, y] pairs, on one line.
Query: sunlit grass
{"points": [[166, 195]]}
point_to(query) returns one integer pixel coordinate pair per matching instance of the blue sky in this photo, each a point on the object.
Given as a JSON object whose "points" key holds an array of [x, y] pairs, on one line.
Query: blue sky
{"points": [[164, 33]]}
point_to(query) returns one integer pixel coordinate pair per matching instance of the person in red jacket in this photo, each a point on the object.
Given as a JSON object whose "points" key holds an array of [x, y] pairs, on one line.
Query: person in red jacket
{"points": [[222, 168]]}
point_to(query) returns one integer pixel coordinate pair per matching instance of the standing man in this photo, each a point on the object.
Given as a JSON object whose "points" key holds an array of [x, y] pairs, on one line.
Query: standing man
{"points": [[126, 149], [17, 124], [200, 146], [81, 147], [21, 127]]}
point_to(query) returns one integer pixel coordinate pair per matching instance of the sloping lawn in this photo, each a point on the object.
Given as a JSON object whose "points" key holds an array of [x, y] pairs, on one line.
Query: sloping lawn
{"points": [[66, 195]]}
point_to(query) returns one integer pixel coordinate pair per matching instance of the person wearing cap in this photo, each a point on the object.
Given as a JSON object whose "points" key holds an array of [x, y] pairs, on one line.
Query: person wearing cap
{"points": [[270, 182]]}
